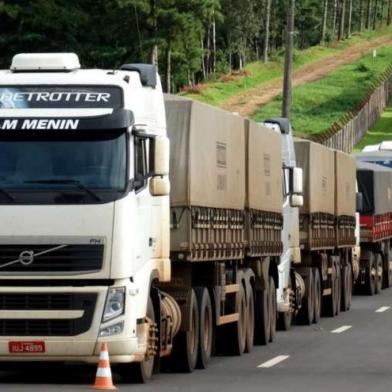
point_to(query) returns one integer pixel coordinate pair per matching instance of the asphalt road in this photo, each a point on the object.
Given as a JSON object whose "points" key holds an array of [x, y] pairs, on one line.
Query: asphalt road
{"points": [[351, 353]]}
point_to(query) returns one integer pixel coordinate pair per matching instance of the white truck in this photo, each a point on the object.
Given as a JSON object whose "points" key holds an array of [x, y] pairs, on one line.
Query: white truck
{"points": [[93, 249]]}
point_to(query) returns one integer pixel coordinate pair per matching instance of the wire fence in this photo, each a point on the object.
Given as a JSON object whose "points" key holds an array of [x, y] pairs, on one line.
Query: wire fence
{"points": [[345, 133]]}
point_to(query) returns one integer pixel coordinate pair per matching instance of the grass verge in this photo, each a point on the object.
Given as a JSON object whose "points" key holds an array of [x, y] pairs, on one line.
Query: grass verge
{"points": [[381, 131], [316, 106]]}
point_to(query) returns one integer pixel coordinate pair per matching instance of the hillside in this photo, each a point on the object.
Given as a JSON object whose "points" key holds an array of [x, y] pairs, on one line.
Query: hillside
{"points": [[260, 83]]}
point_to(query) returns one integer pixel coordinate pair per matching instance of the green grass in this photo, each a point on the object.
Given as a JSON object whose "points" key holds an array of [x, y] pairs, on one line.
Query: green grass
{"points": [[316, 106], [218, 92], [381, 131]]}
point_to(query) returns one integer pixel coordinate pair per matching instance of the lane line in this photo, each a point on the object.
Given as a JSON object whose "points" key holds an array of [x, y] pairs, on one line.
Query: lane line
{"points": [[274, 361], [342, 329], [383, 309]]}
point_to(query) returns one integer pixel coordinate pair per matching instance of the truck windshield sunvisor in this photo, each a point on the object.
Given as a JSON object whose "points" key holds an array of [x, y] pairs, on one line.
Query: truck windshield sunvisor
{"points": [[46, 167], [119, 119]]}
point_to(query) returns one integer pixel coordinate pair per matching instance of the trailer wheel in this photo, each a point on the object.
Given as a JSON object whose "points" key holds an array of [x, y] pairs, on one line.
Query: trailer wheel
{"points": [[272, 309], [317, 295], [351, 285], [329, 301], [186, 343], [234, 334], [370, 274], [387, 269], [379, 273], [262, 318], [347, 281], [344, 283], [250, 326], [338, 288], [306, 313], [140, 372], [205, 328]]}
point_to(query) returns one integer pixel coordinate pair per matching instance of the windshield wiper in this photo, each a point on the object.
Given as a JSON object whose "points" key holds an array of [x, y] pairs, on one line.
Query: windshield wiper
{"points": [[6, 193], [66, 182]]}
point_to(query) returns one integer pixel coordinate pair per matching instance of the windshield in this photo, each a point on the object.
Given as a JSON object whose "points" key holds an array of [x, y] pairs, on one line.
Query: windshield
{"points": [[45, 168], [385, 162]]}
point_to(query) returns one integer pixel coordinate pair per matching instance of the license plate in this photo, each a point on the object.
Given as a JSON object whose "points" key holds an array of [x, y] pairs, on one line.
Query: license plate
{"points": [[26, 347]]}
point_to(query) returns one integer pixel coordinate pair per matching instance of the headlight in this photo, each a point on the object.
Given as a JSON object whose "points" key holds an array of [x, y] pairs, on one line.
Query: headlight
{"points": [[115, 302]]}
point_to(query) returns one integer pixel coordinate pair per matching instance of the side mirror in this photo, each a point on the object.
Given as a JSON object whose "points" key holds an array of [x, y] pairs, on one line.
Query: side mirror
{"points": [[159, 186], [297, 181], [359, 202], [296, 201], [161, 156]]}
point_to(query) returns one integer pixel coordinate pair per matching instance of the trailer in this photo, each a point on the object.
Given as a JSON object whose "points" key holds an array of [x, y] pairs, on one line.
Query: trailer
{"points": [[320, 262], [375, 184], [226, 220]]}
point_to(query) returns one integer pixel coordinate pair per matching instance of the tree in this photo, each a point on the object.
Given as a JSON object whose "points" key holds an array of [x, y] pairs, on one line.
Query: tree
{"points": [[350, 17], [267, 30], [324, 23], [368, 14], [342, 19]]}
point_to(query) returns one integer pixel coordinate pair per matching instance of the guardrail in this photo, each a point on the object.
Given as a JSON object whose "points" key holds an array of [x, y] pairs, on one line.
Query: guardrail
{"points": [[345, 133]]}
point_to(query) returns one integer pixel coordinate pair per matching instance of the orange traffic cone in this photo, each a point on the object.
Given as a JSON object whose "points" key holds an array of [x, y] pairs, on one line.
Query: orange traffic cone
{"points": [[103, 380]]}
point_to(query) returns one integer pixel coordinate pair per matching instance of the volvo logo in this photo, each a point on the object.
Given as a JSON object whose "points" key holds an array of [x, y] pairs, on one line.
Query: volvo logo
{"points": [[26, 257]]}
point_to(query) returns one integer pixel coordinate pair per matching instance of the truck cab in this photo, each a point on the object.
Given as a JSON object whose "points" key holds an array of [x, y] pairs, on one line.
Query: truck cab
{"points": [[292, 190], [84, 206]]}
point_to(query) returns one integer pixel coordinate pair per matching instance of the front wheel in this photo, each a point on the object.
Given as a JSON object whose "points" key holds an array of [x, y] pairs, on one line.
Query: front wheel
{"points": [[141, 372]]}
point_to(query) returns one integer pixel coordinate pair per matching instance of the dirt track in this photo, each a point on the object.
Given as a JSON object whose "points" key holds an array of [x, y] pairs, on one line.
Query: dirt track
{"points": [[247, 103]]}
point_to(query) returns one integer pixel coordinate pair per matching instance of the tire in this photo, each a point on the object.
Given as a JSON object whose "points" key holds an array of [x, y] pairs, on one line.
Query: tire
{"points": [[186, 343], [306, 313], [338, 288], [329, 301], [379, 273], [272, 308], [262, 318], [350, 285], [370, 274], [205, 327], [233, 335], [250, 326], [285, 319], [317, 296], [387, 270], [344, 289], [139, 372]]}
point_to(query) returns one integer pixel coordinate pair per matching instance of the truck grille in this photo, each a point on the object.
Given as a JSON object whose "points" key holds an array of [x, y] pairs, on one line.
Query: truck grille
{"points": [[44, 327], [50, 258]]}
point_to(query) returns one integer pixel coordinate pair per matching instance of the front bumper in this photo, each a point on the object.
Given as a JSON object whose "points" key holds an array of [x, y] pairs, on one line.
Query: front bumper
{"points": [[84, 347]]}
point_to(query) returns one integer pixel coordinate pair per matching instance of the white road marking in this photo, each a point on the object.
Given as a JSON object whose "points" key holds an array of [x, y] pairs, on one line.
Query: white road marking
{"points": [[274, 361], [342, 329], [383, 309]]}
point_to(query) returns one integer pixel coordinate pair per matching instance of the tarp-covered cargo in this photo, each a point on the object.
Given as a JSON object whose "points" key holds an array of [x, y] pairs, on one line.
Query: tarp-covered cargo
{"points": [[346, 172], [318, 165], [375, 184], [207, 155], [263, 168]]}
